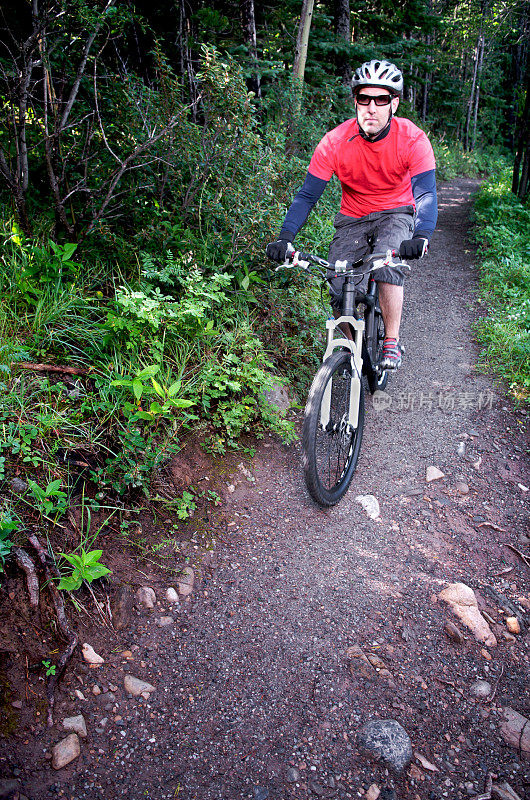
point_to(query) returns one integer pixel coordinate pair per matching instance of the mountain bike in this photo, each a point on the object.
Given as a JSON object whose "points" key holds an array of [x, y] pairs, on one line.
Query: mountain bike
{"points": [[334, 413]]}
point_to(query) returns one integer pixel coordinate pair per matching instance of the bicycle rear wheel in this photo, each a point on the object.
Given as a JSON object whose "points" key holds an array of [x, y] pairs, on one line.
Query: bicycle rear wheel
{"points": [[375, 335], [330, 453]]}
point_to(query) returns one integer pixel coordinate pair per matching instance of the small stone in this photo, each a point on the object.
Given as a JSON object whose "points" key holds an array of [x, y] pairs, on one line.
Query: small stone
{"points": [[79, 694], [387, 740], [512, 623], [163, 622], [136, 686], [172, 595], [127, 654], [317, 788], [18, 486], [185, 582], [113, 687], [425, 763], [292, 775], [509, 637], [370, 505], [477, 463], [523, 488], [461, 449], [433, 474], [462, 487], [454, 632], [66, 751], [96, 691], [480, 689], [76, 725], [485, 654], [146, 597], [373, 792], [260, 793], [90, 655], [17, 704]]}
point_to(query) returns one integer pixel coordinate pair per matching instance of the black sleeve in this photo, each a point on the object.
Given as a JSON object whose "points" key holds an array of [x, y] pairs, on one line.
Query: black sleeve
{"points": [[302, 204], [424, 191]]}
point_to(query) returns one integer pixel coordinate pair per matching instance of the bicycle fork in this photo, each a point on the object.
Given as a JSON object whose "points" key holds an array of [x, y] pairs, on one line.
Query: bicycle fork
{"points": [[355, 348]]}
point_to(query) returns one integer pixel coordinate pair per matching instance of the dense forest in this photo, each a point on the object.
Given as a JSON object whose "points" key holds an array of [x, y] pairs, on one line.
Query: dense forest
{"points": [[148, 152]]}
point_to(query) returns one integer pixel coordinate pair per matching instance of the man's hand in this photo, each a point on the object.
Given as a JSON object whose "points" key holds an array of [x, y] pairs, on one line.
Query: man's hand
{"points": [[413, 248], [277, 251]]}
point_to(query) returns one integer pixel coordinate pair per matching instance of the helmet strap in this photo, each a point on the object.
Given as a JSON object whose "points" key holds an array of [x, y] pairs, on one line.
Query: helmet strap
{"points": [[382, 133]]}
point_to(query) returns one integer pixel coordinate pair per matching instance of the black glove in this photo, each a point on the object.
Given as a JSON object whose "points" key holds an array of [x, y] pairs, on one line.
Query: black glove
{"points": [[277, 251], [414, 248]]}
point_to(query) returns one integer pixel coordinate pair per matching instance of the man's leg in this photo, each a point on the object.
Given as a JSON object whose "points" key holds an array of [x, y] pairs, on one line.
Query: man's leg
{"points": [[391, 302]]}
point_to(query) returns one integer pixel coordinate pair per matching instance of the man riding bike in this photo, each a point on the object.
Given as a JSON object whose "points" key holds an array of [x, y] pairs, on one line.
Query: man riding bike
{"points": [[387, 172]]}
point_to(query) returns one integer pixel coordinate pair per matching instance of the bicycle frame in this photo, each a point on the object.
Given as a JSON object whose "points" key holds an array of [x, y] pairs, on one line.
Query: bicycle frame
{"points": [[355, 347]]}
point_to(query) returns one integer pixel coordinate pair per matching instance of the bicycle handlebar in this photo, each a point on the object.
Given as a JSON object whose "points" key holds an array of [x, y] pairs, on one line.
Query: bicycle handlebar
{"points": [[296, 258]]}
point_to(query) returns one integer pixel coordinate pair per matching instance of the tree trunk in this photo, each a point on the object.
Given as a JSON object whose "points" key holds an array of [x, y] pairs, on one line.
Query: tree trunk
{"points": [[481, 46], [520, 177], [302, 41], [248, 23], [472, 93], [343, 31]]}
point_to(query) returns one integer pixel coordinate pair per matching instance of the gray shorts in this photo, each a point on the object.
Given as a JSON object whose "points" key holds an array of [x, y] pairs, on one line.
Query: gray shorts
{"points": [[356, 237]]}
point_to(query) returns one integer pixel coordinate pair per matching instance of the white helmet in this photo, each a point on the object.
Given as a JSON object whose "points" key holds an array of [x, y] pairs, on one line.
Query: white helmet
{"points": [[378, 73]]}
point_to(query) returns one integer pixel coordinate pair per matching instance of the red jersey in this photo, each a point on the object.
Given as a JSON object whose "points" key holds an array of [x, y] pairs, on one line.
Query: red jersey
{"points": [[375, 176]]}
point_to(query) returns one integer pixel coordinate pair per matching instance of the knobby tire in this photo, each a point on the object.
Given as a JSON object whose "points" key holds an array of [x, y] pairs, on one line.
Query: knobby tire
{"points": [[330, 457], [375, 334]]}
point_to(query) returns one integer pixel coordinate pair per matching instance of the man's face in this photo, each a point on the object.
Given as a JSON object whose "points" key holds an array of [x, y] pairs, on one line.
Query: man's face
{"points": [[372, 118]]}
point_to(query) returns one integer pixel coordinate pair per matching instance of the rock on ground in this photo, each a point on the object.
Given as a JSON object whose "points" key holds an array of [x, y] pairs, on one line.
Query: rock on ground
{"points": [[146, 597], [136, 686], [515, 729], [76, 725], [66, 751], [386, 740], [90, 655], [462, 602]]}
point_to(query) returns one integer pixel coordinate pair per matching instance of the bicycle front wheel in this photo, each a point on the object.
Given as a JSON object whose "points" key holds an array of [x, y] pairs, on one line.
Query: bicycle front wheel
{"points": [[330, 443], [375, 336]]}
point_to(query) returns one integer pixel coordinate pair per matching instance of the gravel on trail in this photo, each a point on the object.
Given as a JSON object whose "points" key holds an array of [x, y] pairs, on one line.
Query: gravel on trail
{"points": [[307, 624]]}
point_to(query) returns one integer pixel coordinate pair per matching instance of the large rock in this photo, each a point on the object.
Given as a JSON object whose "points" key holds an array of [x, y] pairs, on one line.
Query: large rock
{"points": [[463, 603], [388, 741], [277, 396], [515, 729], [66, 751]]}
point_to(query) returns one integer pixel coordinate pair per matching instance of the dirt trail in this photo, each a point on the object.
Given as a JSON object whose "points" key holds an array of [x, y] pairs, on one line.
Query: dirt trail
{"points": [[256, 695]]}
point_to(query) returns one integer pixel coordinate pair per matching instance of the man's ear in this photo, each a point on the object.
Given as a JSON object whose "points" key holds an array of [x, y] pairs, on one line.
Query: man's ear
{"points": [[395, 103]]}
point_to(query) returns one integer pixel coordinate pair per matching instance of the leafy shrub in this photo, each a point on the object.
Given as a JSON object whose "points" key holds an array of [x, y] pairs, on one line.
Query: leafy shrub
{"points": [[503, 232]]}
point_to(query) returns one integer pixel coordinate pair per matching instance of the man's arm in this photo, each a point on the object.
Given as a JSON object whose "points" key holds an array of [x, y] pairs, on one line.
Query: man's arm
{"points": [[424, 192], [305, 199]]}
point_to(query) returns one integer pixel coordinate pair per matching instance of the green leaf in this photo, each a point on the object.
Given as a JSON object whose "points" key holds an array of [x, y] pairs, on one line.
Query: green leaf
{"points": [[174, 388], [70, 584], [156, 408], [158, 389], [148, 372], [137, 388], [178, 403]]}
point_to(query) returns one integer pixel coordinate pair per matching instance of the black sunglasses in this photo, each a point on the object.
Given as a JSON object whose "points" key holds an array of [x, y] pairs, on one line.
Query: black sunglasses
{"points": [[379, 100]]}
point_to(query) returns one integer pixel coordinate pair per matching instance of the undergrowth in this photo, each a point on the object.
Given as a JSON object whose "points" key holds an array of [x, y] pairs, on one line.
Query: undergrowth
{"points": [[502, 230]]}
